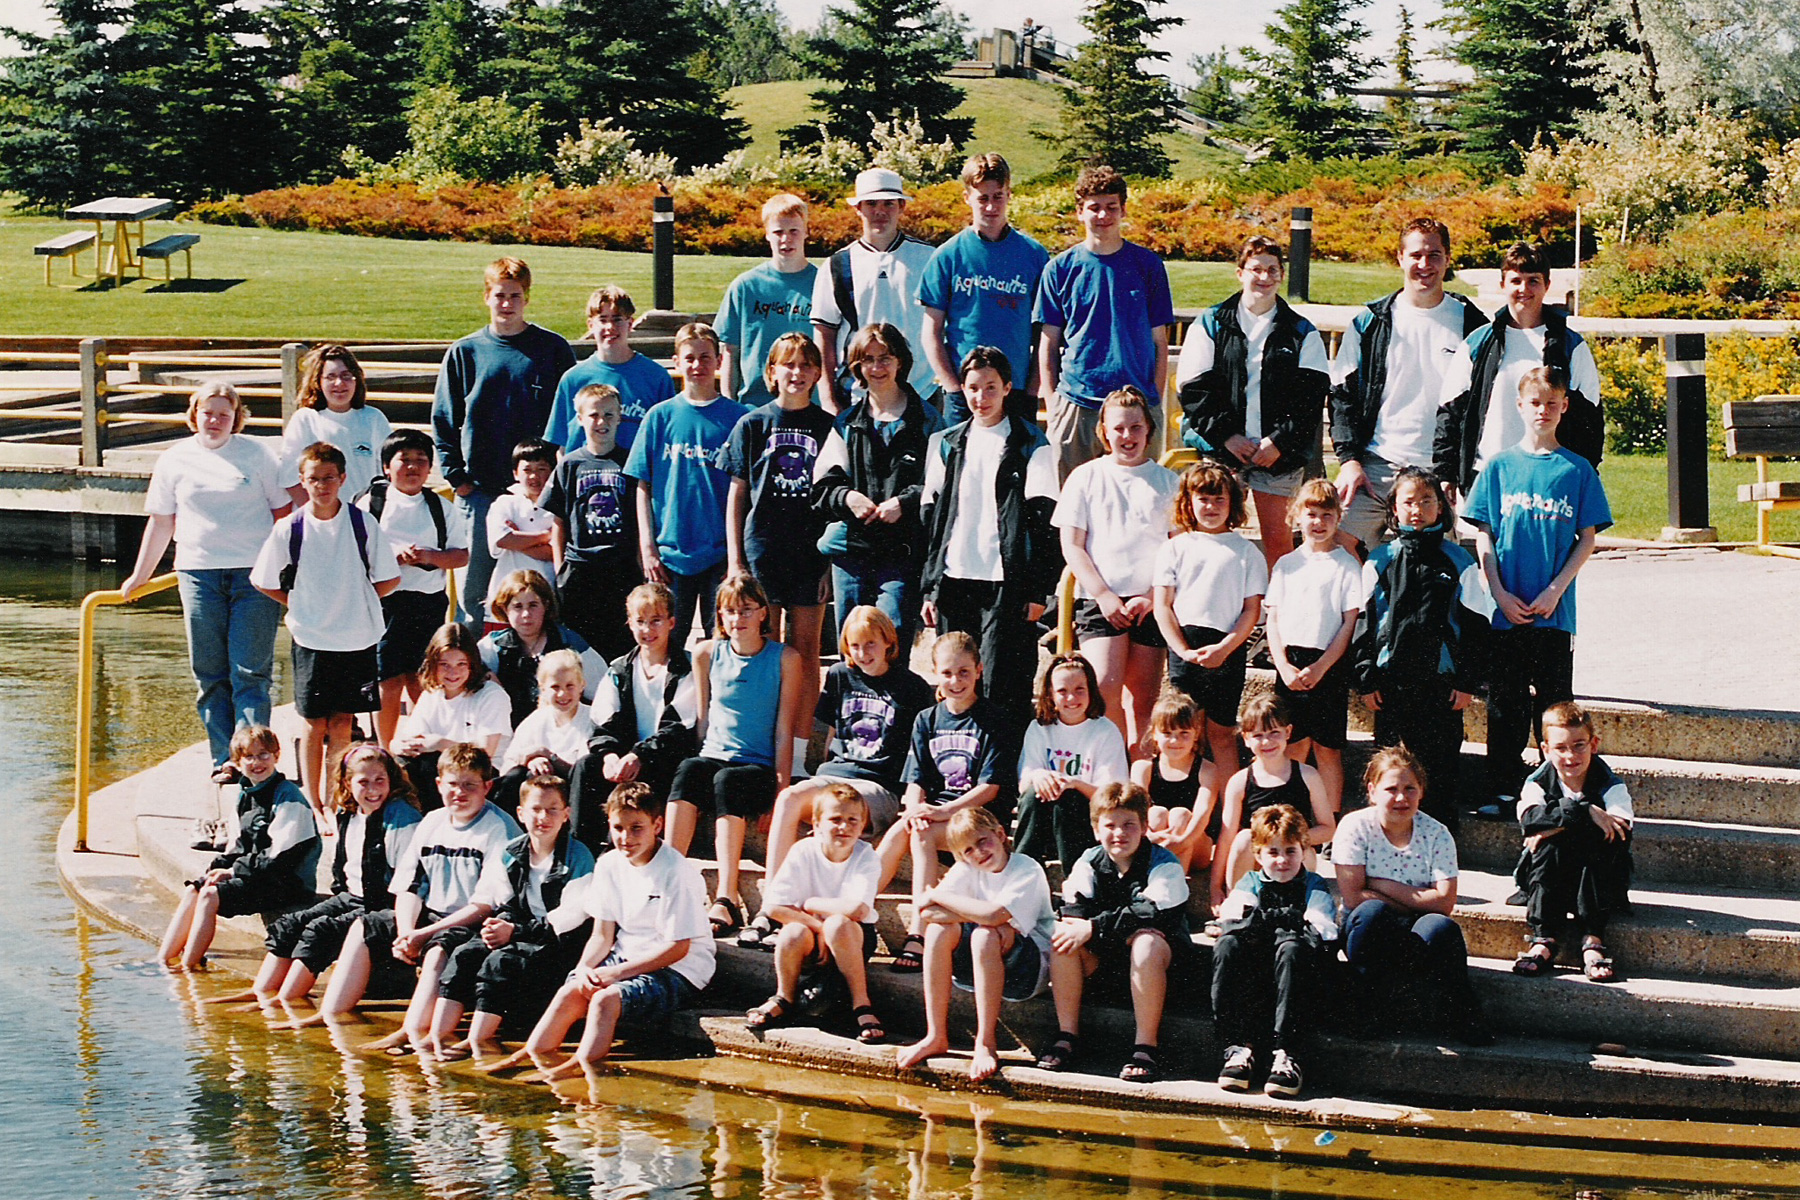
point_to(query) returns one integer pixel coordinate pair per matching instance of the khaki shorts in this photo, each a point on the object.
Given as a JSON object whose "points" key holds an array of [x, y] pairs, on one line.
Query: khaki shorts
{"points": [[1074, 435]]}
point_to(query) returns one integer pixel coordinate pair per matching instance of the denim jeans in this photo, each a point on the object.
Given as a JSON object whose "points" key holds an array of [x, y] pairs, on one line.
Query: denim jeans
{"points": [[231, 650], [473, 597], [893, 588]]}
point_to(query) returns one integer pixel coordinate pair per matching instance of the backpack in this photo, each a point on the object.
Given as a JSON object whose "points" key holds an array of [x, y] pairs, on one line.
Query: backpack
{"points": [[843, 288], [297, 535], [434, 504]]}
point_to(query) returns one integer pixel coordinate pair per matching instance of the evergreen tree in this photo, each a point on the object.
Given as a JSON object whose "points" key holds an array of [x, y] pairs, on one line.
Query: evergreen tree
{"points": [[1214, 95], [746, 42], [1402, 115], [1526, 58], [627, 61], [456, 40], [64, 109], [337, 56], [202, 116], [1300, 88], [886, 60], [1118, 111]]}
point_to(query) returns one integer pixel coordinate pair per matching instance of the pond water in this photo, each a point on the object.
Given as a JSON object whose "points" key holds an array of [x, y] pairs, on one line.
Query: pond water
{"points": [[115, 1081]]}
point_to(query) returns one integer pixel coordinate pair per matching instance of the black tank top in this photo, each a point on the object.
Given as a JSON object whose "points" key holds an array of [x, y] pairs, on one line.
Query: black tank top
{"points": [[1174, 793], [1257, 796]]}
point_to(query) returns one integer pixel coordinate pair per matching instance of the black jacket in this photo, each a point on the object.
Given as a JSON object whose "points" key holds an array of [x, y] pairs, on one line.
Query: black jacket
{"points": [[1293, 397], [1458, 440], [377, 871], [1356, 402], [572, 859], [1030, 550], [515, 668], [271, 843], [1426, 617], [1118, 906], [673, 740], [881, 470]]}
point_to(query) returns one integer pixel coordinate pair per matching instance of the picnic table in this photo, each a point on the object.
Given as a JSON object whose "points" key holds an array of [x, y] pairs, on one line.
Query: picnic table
{"points": [[117, 253]]}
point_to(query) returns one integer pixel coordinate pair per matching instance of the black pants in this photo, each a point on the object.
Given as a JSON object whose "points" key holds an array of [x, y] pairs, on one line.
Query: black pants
{"points": [[1410, 966], [589, 788], [505, 792], [593, 604], [516, 981], [992, 614], [1578, 872], [1265, 988], [1417, 714], [1057, 827], [1530, 670]]}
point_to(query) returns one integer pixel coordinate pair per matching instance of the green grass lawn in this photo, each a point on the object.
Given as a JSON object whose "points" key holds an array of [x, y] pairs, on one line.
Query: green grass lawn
{"points": [[309, 286], [1637, 487], [1009, 114]]}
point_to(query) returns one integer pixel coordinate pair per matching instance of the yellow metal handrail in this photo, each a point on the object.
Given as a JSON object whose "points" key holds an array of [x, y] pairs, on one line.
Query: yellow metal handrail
{"points": [[84, 694]]}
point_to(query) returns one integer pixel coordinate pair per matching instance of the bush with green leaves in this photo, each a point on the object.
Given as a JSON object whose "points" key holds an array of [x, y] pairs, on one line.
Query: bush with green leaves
{"points": [[1634, 394], [1731, 265], [453, 140]]}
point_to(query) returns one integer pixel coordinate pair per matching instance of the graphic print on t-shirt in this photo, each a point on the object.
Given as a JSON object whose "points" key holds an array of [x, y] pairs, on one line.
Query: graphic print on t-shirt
{"points": [[869, 718], [600, 498], [956, 754], [792, 453], [1068, 762]]}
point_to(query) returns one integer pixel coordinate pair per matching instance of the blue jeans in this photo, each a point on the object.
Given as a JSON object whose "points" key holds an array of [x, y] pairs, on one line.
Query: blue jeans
{"points": [[1422, 957], [231, 650], [472, 599], [891, 587]]}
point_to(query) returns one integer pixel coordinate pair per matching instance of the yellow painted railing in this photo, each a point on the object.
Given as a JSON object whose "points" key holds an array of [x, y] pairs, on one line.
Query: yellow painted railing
{"points": [[84, 695]]}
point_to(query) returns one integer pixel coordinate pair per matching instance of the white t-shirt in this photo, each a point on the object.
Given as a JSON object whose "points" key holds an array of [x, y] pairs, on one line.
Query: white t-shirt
{"points": [[1504, 427], [1127, 513], [356, 831], [1212, 574], [469, 717], [661, 902], [885, 285], [973, 551], [407, 522], [543, 729], [358, 432], [1021, 887], [806, 874], [222, 500], [1093, 751], [647, 697], [1421, 347], [456, 862], [526, 517], [333, 605], [1429, 859], [1310, 593]]}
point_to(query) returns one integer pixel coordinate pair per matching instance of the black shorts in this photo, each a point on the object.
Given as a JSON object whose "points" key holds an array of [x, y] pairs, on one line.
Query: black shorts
{"points": [[258, 894], [328, 683], [591, 597], [412, 617], [380, 929], [1215, 691], [1322, 714], [729, 789], [313, 936], [792, 576], [1090, 624]]}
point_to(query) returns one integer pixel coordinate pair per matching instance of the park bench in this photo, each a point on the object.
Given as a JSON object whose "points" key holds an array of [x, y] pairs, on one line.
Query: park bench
{"points": [[69, 246], [166, 248], [1764, 428]]}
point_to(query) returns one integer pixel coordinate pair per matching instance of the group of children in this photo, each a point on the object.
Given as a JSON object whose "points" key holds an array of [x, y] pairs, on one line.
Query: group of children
{"points": [[579, 705]]}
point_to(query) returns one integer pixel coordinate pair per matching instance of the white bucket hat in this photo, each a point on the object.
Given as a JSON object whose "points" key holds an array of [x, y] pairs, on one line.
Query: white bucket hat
{"points": [[878, 183]]}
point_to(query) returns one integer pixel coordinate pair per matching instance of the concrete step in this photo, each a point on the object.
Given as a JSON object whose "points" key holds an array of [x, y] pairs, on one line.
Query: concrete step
{"points": [[1562, 1074], [1687, 853]]}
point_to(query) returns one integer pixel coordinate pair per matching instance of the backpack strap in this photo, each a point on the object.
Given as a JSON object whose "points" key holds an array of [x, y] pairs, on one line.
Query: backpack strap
{"points": [[377, 495], [434, 504], [843, 288], [359, 527], [296, 536]]}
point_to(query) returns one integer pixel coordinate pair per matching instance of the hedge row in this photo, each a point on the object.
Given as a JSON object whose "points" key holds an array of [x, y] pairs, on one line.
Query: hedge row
{"points": [[1193, 220]]}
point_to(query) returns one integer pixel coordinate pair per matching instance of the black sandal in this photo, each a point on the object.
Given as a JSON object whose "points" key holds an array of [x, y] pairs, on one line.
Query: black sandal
{"points": [[1531, 962], [910, 961], [1059, 1055], [1141, 1066], [869, 1029], [734, 917], [770, 1014]]}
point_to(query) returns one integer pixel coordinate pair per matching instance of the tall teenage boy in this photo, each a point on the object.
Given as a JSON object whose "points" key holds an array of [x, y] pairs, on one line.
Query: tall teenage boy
{"points": [[874, 278], [1105, 309], [766, 301], [494, 391], [980, 287], [641, 381]]}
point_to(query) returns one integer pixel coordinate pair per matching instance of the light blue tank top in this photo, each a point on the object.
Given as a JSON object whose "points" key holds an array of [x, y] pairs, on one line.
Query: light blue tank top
{"points": [[746, 693]]}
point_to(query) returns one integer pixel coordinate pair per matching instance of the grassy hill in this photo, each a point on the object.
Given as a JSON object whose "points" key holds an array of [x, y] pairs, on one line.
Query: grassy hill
{"points": [[1008, 113]]}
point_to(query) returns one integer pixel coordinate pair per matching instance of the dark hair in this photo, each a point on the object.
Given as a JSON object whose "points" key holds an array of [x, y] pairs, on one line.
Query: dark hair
{"points": [[1420, 476], [634, 797], [882, 333], [534, 450], [405, 439], [1046, 703], [986, 358], [462, 756], [312, 373], [1426, 225], [324, 452], [1117, 795], [516, 584], [453, 636], [1526, 259], [1099, 179], [1264, 710], [1394, 758], [1208, 477], [399, 786], [1278, 824], [545, 781], [1258, 244]]}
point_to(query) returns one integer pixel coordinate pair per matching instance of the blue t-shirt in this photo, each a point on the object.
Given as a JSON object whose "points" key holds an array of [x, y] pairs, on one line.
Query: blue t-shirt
{"points": [[773, 450], [676, 454], [642, 384], [759, 306], [1535, 507], [1108, 308], [986, 291]]}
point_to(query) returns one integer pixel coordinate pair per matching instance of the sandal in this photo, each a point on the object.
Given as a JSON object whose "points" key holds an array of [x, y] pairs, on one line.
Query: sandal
{"points": [[1596, 964], [1141, 1066], [770, 1014], [728, 923], [911, 958], [1533, 963], [226, 773], [759, 934], [869, 1029], [1059, 1055]]}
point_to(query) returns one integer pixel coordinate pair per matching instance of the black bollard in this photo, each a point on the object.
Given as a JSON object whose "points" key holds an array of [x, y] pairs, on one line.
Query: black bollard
{"points": [[1299, 274], [1685, 421], [662, 247]]}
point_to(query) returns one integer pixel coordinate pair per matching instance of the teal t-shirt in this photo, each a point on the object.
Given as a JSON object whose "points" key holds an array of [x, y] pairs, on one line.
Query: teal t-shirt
{"points": [[642, 382], [760, 306], [675, 454], [1535, 507], [986, 291]]}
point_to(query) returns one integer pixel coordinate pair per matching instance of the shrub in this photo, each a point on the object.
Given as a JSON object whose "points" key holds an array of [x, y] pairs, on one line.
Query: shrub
{"points": [[1634, 394], [1729, 265], [1741, 366]]}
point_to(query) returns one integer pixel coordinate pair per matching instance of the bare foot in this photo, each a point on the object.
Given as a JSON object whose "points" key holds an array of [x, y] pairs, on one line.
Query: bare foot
{"points": [[481, 1052], [513, 1061], [568, 1068], [392, 1041], [916, 1054], [298, 1022], [454, 1052], [983, 1065], [239, 998]]}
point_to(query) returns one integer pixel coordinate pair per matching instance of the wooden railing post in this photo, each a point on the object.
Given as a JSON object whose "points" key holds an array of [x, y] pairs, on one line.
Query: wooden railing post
{"points": [[290, 379], [93, 402]]}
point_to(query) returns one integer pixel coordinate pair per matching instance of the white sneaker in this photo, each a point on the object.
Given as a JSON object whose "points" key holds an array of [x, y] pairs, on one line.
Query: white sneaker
{"points": [[1240, 1065]]}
